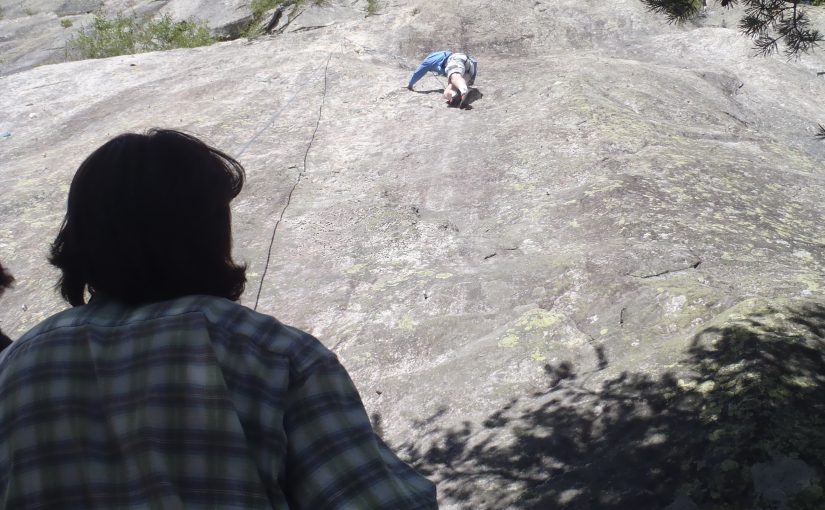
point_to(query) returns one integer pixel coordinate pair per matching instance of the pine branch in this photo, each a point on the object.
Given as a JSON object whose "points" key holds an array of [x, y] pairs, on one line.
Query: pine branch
{"points": [[766, 45], [677, 11], [768, 22], [799, 37]]}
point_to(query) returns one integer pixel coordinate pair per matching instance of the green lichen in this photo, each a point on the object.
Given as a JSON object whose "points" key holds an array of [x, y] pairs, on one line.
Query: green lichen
{"points": [[537, 356], [538, 319], [406, 323], [509, 341], [355, 269]]}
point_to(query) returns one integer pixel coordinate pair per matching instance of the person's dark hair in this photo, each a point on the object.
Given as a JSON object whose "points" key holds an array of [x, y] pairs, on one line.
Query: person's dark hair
{"points": [[5, 279], [148, 220], [5, 282]]}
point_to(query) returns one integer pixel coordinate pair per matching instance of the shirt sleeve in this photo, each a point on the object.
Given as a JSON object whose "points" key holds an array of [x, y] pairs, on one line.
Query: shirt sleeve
{"points": [[418, 74], [431, 63], [334, 458]]}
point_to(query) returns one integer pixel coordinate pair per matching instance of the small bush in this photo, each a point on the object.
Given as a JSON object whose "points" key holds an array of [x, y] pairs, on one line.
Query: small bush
{"points": [[122, 35], [104, 38], [259, 7], [66, 23], [166, 34], [372, 7]]}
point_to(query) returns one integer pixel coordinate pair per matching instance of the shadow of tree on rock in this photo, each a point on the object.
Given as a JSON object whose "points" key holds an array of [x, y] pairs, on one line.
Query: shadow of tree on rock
{"points": [[740, 426]]}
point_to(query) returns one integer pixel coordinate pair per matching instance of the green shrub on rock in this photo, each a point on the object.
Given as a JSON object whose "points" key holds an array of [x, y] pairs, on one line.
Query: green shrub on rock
{"points": [[260, 8], [126, 35], [165, 34], [103, 38]]}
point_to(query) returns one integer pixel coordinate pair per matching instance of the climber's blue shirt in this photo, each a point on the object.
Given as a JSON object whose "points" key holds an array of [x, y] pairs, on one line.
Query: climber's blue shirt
{"points": [[433, 62]]}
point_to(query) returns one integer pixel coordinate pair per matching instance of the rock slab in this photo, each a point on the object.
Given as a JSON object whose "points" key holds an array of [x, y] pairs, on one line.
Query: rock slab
{"points": [[572, 295]]}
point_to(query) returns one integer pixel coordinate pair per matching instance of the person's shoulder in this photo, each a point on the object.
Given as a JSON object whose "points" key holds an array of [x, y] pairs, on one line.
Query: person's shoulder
{"points": [[264, 333], [236, 327], [67, 318], [58, 323]]}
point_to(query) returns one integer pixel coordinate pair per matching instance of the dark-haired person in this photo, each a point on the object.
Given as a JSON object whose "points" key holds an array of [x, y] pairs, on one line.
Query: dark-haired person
{"points": [[5, 282], [161, 392]]}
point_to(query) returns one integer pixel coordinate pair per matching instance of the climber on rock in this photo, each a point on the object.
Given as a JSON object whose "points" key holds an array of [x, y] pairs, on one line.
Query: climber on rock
{"points": [[460, 70]]}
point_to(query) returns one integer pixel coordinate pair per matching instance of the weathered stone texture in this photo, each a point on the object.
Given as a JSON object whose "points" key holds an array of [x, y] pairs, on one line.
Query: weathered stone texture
{"points": [[567, 296]]}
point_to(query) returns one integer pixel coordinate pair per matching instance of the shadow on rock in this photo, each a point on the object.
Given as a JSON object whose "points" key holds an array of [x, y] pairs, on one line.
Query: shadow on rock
{"points": [[473, 95], [739, 426]]}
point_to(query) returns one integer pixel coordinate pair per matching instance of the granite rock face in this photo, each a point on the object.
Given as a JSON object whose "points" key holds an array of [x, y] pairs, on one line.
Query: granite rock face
{"points": [[23, 8], [34, 32], [600, 287], [226, 18]]}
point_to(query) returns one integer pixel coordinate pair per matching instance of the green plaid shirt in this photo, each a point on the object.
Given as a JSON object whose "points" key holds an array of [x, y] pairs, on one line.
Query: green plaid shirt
{"points": [[193, 403]]}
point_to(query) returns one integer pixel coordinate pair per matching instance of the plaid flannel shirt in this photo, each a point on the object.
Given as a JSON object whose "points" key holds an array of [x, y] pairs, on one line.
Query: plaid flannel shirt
{"points": [[193, 403]]}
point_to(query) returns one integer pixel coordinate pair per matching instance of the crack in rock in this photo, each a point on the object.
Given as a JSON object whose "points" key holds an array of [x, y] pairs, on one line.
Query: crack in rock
{"points": [[692, 265]]}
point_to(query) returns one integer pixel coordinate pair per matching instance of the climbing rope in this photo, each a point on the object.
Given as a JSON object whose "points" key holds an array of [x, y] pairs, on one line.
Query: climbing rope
{"points": [[297, 181], [300, 176], [265, 126]]}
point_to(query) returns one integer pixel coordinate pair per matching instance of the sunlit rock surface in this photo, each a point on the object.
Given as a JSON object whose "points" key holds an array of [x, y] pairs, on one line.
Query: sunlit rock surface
{"points": [[601, 287]]}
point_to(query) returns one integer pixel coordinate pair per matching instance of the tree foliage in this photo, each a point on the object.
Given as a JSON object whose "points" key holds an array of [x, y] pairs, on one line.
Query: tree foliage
{"points": [[126, 35], [768, 22], [735, 426]]}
